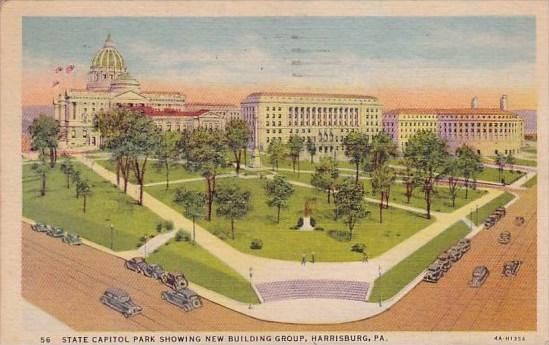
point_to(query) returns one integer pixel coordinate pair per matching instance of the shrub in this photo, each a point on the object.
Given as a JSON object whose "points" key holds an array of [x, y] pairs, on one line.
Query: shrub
{"points": [[256, 244], [340, 235], [143, 238], [159, 227], [300, 222], [168, 225], [313, 222], [358, 247], [319, 228], [220, 234], [182, 236]]}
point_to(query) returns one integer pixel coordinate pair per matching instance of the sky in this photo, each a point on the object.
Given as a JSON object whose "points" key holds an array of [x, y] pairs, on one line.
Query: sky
{"points": [[405, 61]]}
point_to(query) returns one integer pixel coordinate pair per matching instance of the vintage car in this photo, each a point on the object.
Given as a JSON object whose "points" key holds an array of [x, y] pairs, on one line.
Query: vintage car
{"points": [[73, 239], [119, 300], [434, 273], [183, 298], [464, 245], [39, 227], [488, 223], [500, 211], [504, 237], [510, 268], [519, 221], [444, 261], [55, 232], [455, 253], [480, 274], [137, 264], [153, 271], [174, 280]]}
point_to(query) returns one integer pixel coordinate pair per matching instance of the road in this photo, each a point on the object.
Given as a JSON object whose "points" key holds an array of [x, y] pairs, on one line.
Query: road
{"points": [[67, 282]]}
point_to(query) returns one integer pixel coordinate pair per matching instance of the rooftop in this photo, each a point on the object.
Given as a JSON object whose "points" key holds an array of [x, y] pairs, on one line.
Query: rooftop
{"points": [[152, 112], [306, 94], [450, 111]]}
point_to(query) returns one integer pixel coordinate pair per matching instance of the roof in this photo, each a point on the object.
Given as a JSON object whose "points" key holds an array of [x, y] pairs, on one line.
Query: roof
{"points": [[306, 94], [152, 112], [109, 57], [450, 111], [206, 104]]}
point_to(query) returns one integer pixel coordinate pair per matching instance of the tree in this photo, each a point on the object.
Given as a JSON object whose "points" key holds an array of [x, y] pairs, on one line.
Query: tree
{"points": [[193, 203], [383, 149], [470, 165], [296, 144], [67, 168], [205, 153], [278, 192], [232, 203], [84, 190], [452, 172], [76, 177], [357, 149], [382, 179], [44, 132], [41, 169], [311, 148], [237, 135], [409, 179], [349, 201], [167, 152], [501, 160], [427, 154], [277, 151], [325, 176], [510, 159]]}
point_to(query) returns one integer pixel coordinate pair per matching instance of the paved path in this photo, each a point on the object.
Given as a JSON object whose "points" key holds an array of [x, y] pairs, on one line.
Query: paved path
{"points": [[265, 270]]}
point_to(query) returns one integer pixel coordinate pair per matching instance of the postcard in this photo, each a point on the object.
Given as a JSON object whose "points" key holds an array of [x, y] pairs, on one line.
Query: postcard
{"points": [[178, 172]]}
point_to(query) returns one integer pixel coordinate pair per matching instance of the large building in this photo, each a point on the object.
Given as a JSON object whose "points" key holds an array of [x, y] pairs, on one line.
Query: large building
{"points": [[110, 85], [488, 131], [323, 118]]}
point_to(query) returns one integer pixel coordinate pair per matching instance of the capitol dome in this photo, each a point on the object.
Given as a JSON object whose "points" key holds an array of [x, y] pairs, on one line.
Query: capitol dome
{"points": [[107, 65]]}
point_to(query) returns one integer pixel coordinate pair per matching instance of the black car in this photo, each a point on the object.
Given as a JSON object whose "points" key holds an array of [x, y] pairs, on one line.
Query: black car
{"points": [[504, 237], [434, 273], [480, 274], [153, 271], [137, 264], [183, 298], [464, 245], [39, 227], [444, 261], [510, 268], [174, 280], [55, 232], [455, 254], [120, 301]]}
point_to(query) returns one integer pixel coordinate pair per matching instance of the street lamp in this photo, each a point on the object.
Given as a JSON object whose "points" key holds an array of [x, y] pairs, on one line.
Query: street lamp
{"points": [[251, 286]]}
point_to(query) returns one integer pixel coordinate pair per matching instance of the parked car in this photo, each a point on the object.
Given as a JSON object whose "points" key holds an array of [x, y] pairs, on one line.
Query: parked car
{"points": [[153, 271], [504, 237], [39, 227], [444, 261], [120, 301], [455, 254], [464, 245], [510, 268], [183, 298], [73, 239], [174, 280], [501, 211], [136, 264], [480, 274], [519, 221], [434, 273], [55, 232], [488, 223]]}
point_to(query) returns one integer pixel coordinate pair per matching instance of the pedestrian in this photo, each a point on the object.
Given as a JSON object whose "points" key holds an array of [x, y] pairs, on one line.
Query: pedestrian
{"points": [[313, 257], [303, 259]]}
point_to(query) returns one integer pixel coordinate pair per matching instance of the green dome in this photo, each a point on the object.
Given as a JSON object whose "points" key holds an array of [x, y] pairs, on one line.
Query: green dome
{"points": [[108, 57]]}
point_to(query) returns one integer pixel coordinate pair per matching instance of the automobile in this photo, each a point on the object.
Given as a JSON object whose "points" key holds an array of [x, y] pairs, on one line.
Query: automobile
{"points": [[501, 211], [504, 237], [444, 261], [137, 264], [510, 268], [120, 301], [434, 273], [73, 239], [174, 280], [183, 298], [153, 271], [39, 227], [55, 232], [480, 274], [488, 223], [519, 221], [464, 245], [455, 254]]}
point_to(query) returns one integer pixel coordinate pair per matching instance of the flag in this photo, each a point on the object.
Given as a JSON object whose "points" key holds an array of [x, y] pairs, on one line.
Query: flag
{"points": [[55, 83], [59, 69], [69, 68]]}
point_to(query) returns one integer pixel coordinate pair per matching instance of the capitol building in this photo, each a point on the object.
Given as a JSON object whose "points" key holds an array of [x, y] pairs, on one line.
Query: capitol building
{"points": [[110, 85]]}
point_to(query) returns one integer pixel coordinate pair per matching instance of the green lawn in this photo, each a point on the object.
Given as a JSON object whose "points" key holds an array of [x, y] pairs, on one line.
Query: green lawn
{"points": [[531, 182], [177, 171], [487, 209], [280, 242], [107, 205], [529, 149], [492, 175], [204, 269], [395, 279]]}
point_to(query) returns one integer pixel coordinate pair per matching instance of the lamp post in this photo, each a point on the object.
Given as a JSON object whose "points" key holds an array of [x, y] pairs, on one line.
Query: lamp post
{"points": [[251, 287], [112, 235]]}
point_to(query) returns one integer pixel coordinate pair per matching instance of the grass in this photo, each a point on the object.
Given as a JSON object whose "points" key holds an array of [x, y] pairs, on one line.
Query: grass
{"points": [[492, 175], [533, 181], [487, 209], [395, 279], [107, 205], [177, 171], [518, 161], [204, 269], [281, 242], [529, 149]]}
